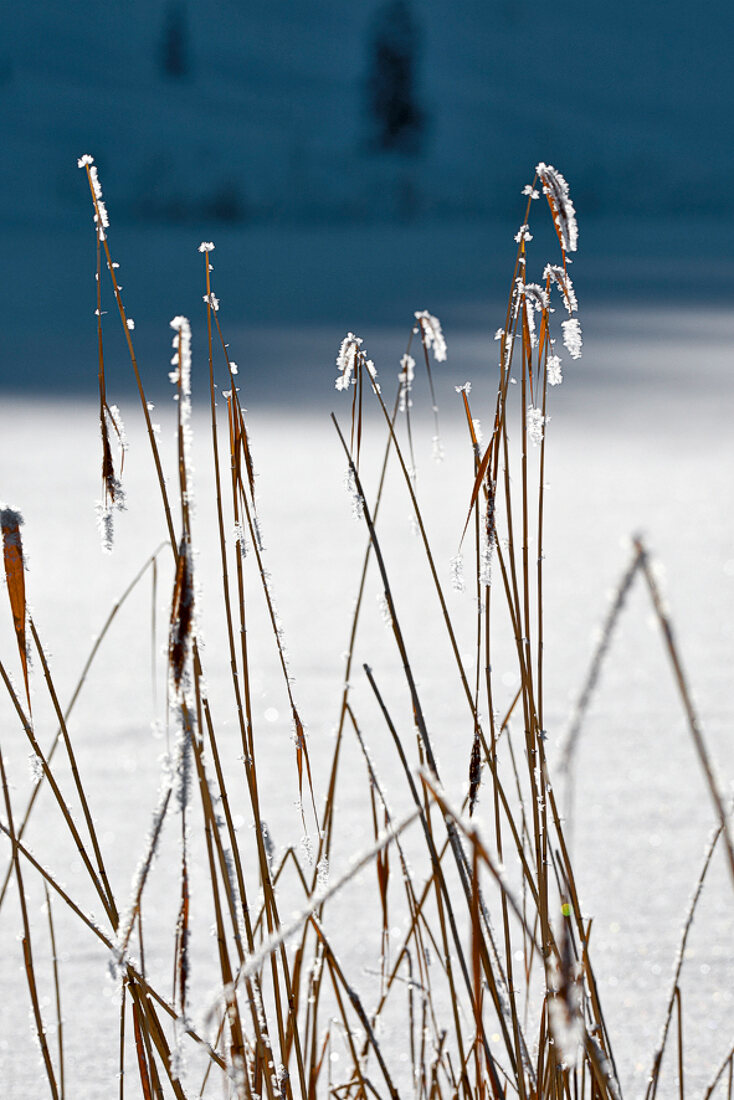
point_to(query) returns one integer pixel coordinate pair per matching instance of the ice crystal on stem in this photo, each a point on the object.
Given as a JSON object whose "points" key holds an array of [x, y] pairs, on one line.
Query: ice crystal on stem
{"points": [[105, 525], [432, 334], [564, 214], [384, 606], [346, 360], [535, 422], [372, 372], [562, 279], [572, 337], [181, 377], [35, 768], [536, 301], [350, 484], [555, 376], [457, 573], [406, 376], [101, 220]]}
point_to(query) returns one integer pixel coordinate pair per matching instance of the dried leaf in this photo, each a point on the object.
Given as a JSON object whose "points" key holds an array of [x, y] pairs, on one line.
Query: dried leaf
{"points": [[475, 773], [182, 938], [142, 1060], [182, 614], [483, 465], [11, 522]]}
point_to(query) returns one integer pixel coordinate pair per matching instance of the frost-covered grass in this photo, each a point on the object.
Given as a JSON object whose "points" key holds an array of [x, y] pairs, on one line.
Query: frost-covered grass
{"points": [[478, 976]]}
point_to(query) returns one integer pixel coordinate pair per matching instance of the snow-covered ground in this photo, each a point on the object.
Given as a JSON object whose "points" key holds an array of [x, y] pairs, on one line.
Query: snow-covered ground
{"points": [[639, 440]]}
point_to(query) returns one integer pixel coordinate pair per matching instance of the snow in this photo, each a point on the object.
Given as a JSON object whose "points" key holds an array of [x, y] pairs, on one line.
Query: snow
{"points": [[635, 387]]}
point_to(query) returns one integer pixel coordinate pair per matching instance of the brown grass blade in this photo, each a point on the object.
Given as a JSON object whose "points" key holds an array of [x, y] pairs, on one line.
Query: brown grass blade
{"points": [[483, 467], [11, 523], [57, 989], [682, 684], [26, 940], [142, 1059], [182, 614]]}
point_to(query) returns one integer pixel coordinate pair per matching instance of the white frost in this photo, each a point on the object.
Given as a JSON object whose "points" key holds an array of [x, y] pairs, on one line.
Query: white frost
{"points": [[346, 360], [535, 422], [564, 213], [432, 334], [555, 377], [572, 337]]}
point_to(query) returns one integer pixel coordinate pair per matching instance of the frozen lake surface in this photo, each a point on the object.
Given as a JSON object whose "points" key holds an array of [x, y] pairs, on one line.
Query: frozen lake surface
{"points": [[640, 440]]}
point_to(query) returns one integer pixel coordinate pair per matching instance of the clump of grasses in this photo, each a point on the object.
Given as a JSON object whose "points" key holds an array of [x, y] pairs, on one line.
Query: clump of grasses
{"points": [[492, 982]]}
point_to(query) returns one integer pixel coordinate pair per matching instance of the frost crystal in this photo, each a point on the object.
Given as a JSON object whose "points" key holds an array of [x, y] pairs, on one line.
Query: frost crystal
{"points": [[239, 535], [182, 360], [564, 214], [466, 388], [181, 377], [437, 449], [562, 279], [535, 422], [536, 300], [346, 360], [178, 1057], [485, 560], [566, 1022], [267, 843], [432, 334], [523, 234], [572, 337], [406, 376], [307, 849], [555, 376], [206, 246], [100, 211], [212, 300], [350, 485], [36, 768], [130, 324], [183, 759], [10, 518], [535, 295], [322, 873], [372, 371], [457, 573], [528, 189], [488, 536], [384, 607], [105, 517]]}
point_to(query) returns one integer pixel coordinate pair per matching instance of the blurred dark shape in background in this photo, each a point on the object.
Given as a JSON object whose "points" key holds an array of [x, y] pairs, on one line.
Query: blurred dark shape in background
{"points": [[304, 112], [174, 48], [396, 119]]}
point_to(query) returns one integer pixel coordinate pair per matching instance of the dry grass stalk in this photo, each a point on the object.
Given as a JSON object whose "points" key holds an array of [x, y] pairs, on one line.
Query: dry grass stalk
{"points": [[499, 913]]}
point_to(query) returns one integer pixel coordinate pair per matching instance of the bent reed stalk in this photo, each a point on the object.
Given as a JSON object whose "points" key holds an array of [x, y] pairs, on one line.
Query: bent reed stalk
{"points": [[491, 978]]}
